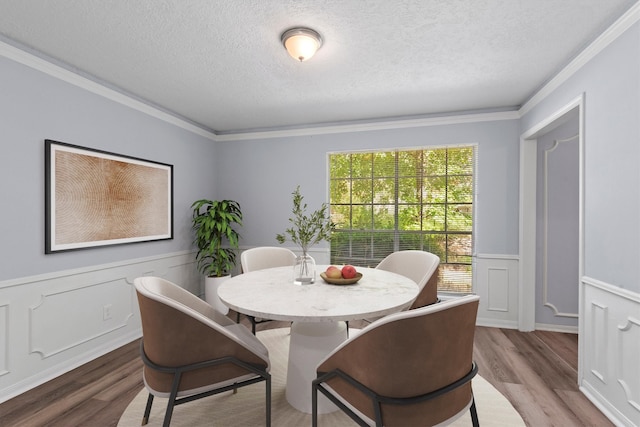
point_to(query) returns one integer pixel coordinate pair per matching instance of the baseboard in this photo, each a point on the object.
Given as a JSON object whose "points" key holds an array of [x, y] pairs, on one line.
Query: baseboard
{"points": [[567, 329], [497, 323], [609, 411]]}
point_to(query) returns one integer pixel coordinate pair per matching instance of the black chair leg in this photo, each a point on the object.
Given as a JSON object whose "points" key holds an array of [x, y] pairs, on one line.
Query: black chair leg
{"points": [[474, 413], [268, 402], [169, 413], [253, 324], [314, 406], [147, 410], [251, 319], [172, 399]]}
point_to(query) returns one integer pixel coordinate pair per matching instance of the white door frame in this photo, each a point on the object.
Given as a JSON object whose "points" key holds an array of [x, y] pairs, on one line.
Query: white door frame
{"points": [[527, 233]]}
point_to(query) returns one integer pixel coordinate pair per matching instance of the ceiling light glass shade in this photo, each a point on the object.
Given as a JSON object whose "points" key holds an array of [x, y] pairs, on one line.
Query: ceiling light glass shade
{"points": [[301, 43]]}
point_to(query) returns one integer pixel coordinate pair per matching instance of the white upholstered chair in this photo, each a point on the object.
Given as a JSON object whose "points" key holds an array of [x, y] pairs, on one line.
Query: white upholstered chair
{"points": [[191, 351], [262, 257], [421, 267], [412, 368]]}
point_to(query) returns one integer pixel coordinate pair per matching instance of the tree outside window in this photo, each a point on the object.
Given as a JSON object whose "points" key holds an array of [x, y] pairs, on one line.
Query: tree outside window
{"points": [[386, 201]]}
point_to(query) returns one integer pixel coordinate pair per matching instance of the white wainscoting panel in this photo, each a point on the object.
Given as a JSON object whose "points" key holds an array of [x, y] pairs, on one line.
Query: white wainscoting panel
{"points": [[496, 282], [52, 323], [4, 338], [598, 330], [498, 289], [610, 350], [84, 312]]}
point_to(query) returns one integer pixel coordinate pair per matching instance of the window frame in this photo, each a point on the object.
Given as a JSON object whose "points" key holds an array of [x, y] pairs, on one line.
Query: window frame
{"points": [[421, 232]]}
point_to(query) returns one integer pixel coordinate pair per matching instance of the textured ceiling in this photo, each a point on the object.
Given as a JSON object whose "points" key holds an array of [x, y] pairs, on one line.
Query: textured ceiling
{"points": [[220, 64]]}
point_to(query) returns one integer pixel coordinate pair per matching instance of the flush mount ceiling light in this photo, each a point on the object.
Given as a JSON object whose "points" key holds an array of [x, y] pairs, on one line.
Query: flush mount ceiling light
{"points": [[301, 43]]}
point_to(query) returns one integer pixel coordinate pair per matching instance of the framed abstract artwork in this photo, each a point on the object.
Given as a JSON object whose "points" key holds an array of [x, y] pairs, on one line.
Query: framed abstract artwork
{"points": [[96, 198]]}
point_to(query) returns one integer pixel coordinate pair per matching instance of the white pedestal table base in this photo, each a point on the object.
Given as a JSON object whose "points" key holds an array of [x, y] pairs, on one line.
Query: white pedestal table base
{"points": [[309, 344]]}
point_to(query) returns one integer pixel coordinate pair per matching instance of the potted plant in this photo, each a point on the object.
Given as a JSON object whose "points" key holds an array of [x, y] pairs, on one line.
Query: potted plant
{"points": [[217, 242], [305, 231]]}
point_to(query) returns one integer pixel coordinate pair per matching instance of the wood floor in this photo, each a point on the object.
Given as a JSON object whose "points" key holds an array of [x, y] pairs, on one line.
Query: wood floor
{"points": [[536, 371]]}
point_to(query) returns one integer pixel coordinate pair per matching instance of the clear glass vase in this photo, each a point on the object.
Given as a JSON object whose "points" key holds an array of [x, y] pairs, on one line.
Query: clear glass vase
{"points": [[304, 270]]}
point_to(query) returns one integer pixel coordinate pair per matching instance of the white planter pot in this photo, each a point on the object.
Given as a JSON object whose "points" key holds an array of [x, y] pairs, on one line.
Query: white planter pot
{"points": [[211, 285]]}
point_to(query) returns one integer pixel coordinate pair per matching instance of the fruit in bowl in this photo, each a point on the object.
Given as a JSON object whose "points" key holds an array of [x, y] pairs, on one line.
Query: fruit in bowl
{"points": [[345, 275], [333, 272], [348, 272]]}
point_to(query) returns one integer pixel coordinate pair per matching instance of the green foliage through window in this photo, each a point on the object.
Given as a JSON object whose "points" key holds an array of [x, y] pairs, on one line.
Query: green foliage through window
{"points": [[387, 201]]}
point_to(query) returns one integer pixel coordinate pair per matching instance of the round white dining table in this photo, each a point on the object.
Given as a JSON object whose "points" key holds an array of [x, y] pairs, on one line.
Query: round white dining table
{"points": [[318, 312]]}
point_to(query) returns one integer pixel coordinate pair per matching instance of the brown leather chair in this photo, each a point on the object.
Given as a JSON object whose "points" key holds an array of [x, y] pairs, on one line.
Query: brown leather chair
{"points": [[412, 368], [191, 351]]}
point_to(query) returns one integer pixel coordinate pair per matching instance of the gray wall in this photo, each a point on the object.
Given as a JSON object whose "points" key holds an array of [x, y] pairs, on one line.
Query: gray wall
{"points": [[35, 107], [611, 84], [261, 174]]}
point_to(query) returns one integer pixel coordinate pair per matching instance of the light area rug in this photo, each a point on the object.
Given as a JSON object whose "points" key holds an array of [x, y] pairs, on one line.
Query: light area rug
{"points": [[247, 407]]}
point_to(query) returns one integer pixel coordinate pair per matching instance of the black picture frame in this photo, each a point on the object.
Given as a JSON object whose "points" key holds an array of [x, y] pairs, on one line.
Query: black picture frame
{"points": [[96, 198]]}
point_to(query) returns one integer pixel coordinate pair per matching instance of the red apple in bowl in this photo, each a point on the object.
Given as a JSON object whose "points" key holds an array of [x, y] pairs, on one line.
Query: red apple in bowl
{"points": [[349, 271], [333, 272]]}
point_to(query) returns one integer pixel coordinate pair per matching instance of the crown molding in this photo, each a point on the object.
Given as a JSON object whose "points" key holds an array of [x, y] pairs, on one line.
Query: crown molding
{"points": [[373, 126], [598, 45], [68, 76]]}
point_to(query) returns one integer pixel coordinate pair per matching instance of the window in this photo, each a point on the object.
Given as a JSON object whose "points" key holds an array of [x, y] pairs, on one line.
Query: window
{"points": [[385, 201]]}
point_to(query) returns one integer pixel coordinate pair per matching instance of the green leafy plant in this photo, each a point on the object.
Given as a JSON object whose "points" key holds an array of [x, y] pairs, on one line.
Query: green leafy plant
{"points": [[307, 230], [213, 222]]}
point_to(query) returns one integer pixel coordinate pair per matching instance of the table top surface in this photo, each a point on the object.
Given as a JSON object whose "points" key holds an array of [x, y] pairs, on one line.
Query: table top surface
{"points": [[271, 294]]}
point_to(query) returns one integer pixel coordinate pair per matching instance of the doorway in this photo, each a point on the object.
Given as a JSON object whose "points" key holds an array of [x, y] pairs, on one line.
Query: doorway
{"points": [[529, 210]]}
